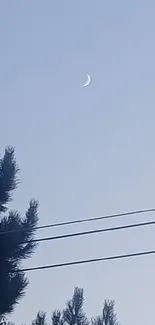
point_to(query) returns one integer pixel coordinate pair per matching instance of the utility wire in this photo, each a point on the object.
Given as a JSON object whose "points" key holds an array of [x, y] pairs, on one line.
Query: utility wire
{"points": [[65, 223], [83, 233], [93, 260]]}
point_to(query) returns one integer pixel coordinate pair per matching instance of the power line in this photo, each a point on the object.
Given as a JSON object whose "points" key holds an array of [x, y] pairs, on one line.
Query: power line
{"points": [[93, 260], [65, 223], [83, 233]]}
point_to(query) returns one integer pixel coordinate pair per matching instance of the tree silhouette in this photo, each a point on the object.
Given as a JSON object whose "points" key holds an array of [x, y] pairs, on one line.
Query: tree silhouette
{"points": [[12, 248], [40, 319], [108, 316], [73, 314], [57, 318]]}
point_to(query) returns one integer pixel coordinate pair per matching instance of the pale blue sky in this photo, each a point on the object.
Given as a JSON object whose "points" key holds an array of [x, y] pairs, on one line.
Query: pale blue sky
{"points": [[83, 152]]}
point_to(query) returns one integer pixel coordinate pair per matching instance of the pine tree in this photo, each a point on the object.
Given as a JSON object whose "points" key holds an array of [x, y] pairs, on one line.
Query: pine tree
{"points": [[108, 316], [57, 318], [73, 314], [12, 249], [40, 319]]}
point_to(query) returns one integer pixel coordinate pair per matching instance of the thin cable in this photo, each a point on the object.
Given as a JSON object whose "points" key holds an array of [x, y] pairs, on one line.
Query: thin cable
{"points": [[65, 223], [83, 233], [93, 260]]}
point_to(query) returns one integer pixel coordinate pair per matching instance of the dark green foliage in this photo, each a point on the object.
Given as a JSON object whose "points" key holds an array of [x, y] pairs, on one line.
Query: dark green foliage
{"points": [[73, 313], [108, 316], [57, 318], [8, 177], [40, 319], [12, 251]]}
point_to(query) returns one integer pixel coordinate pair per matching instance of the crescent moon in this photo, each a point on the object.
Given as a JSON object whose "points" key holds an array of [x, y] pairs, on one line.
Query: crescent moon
{"points": [[87, 83]]}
